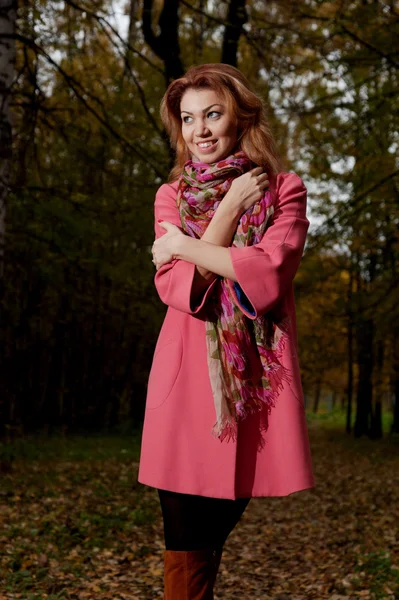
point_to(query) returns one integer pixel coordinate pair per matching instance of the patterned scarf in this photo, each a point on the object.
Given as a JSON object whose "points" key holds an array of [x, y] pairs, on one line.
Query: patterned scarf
{"points": [[243, 353]]}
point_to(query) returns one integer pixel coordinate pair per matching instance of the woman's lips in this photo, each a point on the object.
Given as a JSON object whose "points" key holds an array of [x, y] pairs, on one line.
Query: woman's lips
{"points": [[207, 149]]}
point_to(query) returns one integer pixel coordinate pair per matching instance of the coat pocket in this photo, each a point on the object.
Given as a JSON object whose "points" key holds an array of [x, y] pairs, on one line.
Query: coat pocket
{"points": [[165, 369]]}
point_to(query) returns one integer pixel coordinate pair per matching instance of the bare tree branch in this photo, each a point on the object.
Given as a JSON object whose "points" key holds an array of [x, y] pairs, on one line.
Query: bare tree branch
{"points": [[370, 46], [103, 20], [75, 87]]}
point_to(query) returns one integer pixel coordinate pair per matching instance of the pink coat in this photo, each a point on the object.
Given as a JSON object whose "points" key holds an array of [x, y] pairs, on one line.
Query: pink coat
{"points": [[178, 451]]}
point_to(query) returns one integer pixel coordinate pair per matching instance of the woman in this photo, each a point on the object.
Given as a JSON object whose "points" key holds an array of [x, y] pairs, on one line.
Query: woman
{"points": [[225, 418]]}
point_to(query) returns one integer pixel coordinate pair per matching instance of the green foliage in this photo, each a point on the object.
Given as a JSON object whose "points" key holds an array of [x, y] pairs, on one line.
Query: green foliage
{"points": [[378, 565]]}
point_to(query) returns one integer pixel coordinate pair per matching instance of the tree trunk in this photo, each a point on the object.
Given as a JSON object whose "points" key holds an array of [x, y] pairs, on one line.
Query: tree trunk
{"points": [[365, 383], [350, 352], [395, 423], [236, 18], [133, 17], [376, 414], [131, 36], [199, 39], [317, 396], [166, 44], [8, 16]]}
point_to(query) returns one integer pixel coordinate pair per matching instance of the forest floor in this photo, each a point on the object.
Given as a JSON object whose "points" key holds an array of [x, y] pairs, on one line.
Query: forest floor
{"points": [[75, 524]]}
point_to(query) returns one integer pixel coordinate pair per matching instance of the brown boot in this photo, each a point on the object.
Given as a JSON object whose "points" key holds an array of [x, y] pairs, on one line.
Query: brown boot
{"points": [[190, 575]]}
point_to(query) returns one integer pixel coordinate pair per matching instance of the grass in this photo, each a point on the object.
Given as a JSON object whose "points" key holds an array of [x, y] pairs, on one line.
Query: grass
{"points": [[72, 447], [336, 418], [378, 566]]}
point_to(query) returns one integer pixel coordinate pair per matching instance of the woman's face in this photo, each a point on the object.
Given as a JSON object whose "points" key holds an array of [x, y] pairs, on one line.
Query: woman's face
{"points": [[208, 129]]}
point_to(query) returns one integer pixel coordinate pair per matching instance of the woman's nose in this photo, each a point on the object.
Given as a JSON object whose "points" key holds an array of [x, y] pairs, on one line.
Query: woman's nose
{"points": [[201, 128]]}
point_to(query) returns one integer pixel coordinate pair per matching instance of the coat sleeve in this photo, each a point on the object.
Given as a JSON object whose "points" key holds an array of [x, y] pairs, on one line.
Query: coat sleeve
{"points": [[265, 270], [174, 280]]}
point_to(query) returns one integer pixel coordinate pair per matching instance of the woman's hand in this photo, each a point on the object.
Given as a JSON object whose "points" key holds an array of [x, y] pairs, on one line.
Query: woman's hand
{"points": [[247, 189], [165, 247]]}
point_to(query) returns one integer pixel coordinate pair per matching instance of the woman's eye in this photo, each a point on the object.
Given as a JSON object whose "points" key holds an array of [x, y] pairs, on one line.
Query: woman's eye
{"points": [[213, 114]]}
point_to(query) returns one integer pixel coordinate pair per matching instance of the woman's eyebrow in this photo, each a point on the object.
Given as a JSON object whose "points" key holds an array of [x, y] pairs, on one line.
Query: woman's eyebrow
{"points": [[205, 109]]}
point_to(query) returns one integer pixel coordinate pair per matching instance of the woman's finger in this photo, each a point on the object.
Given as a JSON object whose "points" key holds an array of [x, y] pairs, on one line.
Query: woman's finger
{"points": [[257, 170], [263, 181], [263, 176]]}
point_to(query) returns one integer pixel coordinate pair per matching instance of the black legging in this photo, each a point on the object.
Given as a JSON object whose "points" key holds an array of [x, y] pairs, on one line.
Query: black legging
{"points": [[197, 522]]}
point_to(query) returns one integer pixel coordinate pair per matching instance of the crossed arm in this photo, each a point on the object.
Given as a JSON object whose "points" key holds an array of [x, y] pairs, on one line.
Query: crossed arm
{"points": [[209, 254], [262, 273]]}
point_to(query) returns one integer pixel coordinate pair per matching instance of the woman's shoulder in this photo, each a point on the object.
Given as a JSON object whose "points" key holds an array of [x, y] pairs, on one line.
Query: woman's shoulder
{"points": [[286, 184], [167, 191], [288, 179], [287, 187]]}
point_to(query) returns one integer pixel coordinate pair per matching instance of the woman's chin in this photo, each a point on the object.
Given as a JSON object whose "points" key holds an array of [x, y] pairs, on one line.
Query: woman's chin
{"points": [[216, 156], [209, 158]]}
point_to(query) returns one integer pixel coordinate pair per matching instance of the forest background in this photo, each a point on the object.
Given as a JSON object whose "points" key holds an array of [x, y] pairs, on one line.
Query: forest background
{"points": [[83, 151]]}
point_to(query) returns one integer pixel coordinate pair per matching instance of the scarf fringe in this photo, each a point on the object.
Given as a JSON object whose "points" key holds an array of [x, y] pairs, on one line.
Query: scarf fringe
{"points": [[282, 341], [226, 430], [227, 427]]}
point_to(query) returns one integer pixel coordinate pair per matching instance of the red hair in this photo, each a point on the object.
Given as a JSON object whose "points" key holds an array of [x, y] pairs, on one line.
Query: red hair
{"points": [[245, 106]]}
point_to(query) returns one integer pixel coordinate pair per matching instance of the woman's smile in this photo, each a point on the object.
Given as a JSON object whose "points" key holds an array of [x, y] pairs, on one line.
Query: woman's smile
{"points": [[207, 147]]}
